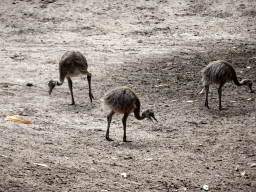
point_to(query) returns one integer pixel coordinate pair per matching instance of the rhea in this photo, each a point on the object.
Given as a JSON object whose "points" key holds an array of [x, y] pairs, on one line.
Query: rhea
{"points": [[72, 63], [124, 100], [220, 72]]}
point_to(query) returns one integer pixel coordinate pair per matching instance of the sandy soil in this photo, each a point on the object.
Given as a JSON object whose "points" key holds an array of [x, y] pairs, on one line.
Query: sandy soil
{"points": [[138, 44]]}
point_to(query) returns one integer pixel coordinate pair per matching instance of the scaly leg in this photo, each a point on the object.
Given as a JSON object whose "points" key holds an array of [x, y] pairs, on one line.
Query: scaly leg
{"points": [[124, 125], [219, 91], [71, 91], [109, 118], [90, 90], [206, 99]]}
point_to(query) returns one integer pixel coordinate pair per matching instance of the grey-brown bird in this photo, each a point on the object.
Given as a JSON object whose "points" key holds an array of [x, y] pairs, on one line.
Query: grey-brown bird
{"points": [[220, 72], [72, 64], [124, 100]]}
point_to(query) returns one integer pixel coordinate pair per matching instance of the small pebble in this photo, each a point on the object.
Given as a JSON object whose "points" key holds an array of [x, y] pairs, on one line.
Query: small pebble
{"points": [[29, 84]]}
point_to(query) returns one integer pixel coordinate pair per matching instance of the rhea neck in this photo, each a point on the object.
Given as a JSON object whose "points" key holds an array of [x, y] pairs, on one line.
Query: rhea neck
{"points": [[241, 83], [137, 114]]}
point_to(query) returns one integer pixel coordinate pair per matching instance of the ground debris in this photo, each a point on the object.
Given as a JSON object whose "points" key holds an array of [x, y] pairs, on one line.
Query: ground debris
{"points": [[17, 119]]}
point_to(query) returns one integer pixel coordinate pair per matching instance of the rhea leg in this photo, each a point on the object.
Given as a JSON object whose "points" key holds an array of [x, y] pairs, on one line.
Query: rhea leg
{"points": [[71, 91], [90, 90], [206, 99], [109, 118], [219, 91], [124, 125]]}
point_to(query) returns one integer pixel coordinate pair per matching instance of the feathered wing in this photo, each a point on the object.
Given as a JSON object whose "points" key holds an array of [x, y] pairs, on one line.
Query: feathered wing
{"points": [[120, 100], [217, 72]]}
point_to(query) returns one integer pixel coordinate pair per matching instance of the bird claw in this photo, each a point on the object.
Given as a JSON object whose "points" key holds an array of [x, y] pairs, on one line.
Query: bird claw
{"points": [[91, 97], [109, 139], [222, 108]]}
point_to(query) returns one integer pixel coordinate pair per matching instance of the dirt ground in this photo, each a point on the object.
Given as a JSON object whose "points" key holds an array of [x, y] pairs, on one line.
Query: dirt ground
{"points": [[156, 47]]}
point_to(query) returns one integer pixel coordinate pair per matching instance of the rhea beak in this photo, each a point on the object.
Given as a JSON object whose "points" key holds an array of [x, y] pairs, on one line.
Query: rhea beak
{"points": [[51, 85], [153, 118], [50, 90]]}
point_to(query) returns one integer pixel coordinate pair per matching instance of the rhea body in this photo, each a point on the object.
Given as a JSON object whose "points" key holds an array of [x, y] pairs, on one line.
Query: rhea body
{"points": [[72, 64], [220, 72], [124, 100]]}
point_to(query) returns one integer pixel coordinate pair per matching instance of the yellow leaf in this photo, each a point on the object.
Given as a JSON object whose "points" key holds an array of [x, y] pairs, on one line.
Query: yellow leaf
{"points": [[201, 91], [78, 142], [17, 119], [165, 85]]}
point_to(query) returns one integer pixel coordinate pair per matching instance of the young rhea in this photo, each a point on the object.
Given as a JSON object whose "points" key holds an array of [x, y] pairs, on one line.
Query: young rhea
{"points": [[72, 63], [125, 101], [220, 72]]}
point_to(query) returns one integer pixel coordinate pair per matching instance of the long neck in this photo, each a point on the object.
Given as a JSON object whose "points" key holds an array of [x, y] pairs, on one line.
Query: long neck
{"points": [[59, 83], [137, 111], [137, 114], [234, 78]]}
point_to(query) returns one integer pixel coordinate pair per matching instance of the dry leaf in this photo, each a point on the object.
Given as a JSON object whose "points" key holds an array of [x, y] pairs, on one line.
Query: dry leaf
{"points": [[160, 85], [201, 91], [40, 164], [78, 142], [232, 106], [17, 119]]}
